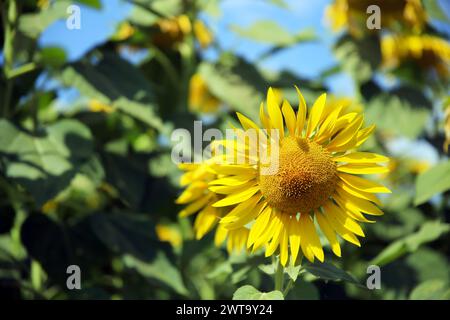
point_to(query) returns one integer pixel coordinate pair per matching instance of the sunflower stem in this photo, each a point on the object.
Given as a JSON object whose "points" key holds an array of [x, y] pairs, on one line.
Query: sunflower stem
{"points": [[279, 276]]}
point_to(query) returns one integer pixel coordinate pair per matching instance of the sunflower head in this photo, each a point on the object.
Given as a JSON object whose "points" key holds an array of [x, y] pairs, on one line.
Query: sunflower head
{"points": [[314, 181], [306, 176], [352, 14], [426, 51]]}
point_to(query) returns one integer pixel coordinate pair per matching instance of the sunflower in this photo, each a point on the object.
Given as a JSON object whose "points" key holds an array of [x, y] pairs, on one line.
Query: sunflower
{"points": [[315, 180], [352, 14], [427, 51], [171, 31], [199, 199], [200, 98]]}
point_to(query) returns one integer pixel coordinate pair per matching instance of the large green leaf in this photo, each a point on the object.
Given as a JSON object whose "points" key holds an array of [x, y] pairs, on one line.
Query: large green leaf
{"points": [[359, 57], [395, 115], [431, 290], [328, 271], [432, 182], [429, 231], [45, 164], [248, 292], [270, 32], [105, 82], [160, 269], [33, 24], [237, 83], [125, 233]]}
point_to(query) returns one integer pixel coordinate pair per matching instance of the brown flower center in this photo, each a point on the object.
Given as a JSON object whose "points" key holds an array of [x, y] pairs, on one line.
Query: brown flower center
{"points": [[304, 180]]}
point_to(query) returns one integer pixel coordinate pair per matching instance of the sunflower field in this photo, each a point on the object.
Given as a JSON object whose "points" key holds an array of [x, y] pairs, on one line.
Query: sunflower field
{"points": [[225, 149]]}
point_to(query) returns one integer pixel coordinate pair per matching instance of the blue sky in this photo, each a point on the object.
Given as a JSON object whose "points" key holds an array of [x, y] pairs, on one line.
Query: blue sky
{"points": [[307, 60]]}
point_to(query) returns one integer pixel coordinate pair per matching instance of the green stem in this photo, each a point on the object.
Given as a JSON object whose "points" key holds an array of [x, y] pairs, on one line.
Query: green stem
{"points": [[279, 277], [166, 64], [36, 275], [288, 287], [9, 23], [21, 70]]}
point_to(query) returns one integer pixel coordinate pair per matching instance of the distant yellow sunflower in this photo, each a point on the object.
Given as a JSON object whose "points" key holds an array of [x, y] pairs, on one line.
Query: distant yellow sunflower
{"points": [[315, 180], [200, 98], [352, 14], [202, 34], [428, 52], [171, 31], [199, 199]]}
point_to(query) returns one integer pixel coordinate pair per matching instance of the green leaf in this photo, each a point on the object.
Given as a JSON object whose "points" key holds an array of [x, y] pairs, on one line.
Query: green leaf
{"points": [[328, 271], [126, 233], [359, 57], [45, 164], [431, 290], [303, 290], [237, 83], [248, 292], [96, 4], [53, 56], [105, 82], [396, 115], [160, 269], [435, 11], [429, 231], [293, 271], [33, 24], [270, 32], [431, 182]]}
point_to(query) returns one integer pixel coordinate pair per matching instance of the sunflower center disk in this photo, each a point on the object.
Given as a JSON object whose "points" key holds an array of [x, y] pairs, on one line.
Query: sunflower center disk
{"points": [[304, 180]]}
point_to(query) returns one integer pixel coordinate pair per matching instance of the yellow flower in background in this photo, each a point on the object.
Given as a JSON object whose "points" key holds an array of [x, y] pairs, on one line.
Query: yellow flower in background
{"points": [[50, 206], [43, 4], [199, 199], [426, 51], [352, 14], [167, 233], [171, 31], [124, 31], [315, 181], [447, 126], [200, 98], [98, 106], [202, 34]]}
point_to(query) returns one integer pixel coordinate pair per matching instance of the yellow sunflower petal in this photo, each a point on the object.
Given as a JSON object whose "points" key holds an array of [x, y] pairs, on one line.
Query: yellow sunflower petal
{"points": [[358, 193], [361, 204], [246, 122], [275, 115], [294, 238], [284, 243], [316, 114], [301, 113], [362, 168], [237, 197], [364, 134], [363, 184], [289, 117], [205, 221], [259, 226], [309, 235], [361, 157], [195, 206], [329, 234]]}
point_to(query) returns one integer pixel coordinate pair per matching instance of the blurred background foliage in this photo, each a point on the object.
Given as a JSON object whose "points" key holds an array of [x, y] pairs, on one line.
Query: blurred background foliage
{"points": [[87, 179]]}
